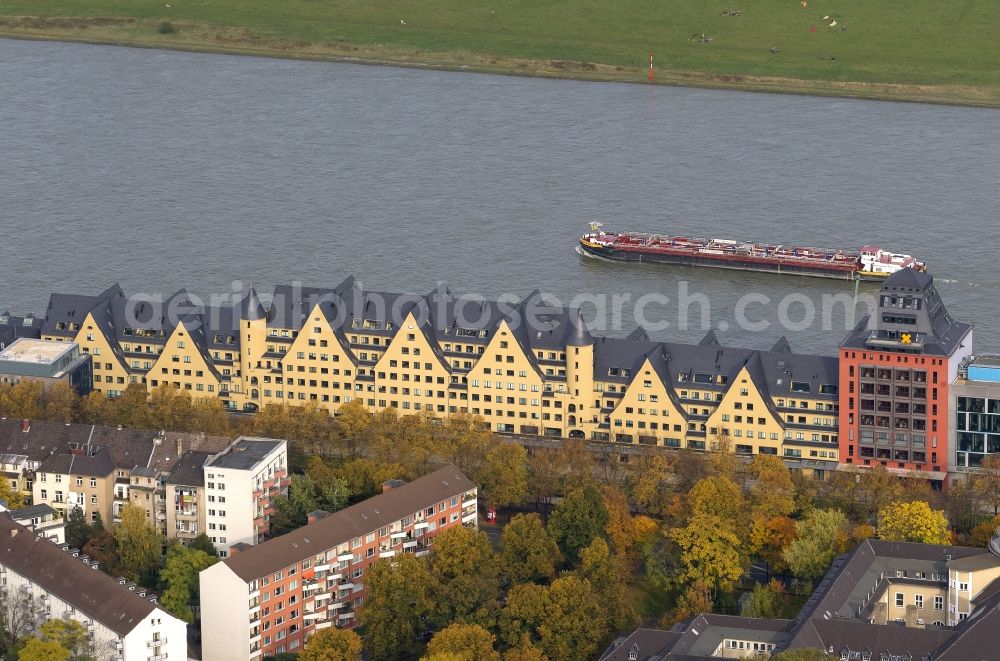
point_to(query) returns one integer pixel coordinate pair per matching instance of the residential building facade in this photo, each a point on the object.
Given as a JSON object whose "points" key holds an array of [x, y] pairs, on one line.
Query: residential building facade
{"points": [[268, 599], [239, 485], [40, 578], [526, 368]]}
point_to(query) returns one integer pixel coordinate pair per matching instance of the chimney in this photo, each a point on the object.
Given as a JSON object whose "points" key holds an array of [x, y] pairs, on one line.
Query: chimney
{"points": [[13, 532], [119, 427], [26, 425], [389, 485], [180, 447]]}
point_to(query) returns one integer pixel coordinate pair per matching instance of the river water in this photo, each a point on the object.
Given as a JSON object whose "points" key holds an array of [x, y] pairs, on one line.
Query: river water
{"points": [[163, 170]]}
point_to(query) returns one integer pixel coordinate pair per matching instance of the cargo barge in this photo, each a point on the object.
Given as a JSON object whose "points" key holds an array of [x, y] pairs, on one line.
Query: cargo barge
{"points": [[866, 263]]}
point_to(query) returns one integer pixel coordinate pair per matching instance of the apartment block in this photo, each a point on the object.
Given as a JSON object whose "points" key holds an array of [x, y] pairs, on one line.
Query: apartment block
{"points": [[81, 477], [268, 599], [45, 582], [140, 462], [895, 369], [974, 412], [239, 485], [527, 368], [184, 493]]}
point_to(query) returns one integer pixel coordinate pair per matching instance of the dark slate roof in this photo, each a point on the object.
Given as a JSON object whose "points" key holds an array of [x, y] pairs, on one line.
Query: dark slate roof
{"points": [[932, 328], [189, 470], [854, 635], [31, 511], [705, 632], [93, 462], [975, 637], [13, 327], [90, 591], [345, 525], [646, 643]]}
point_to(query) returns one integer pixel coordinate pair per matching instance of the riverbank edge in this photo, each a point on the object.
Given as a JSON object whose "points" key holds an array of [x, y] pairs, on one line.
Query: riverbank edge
{"points": [[965, 96]]}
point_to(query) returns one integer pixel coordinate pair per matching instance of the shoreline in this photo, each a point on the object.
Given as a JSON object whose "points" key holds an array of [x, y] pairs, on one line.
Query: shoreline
{"points": [[240, 44]]}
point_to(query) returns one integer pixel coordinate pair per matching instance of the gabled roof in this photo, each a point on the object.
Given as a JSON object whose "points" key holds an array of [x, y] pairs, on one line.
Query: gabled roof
{"points": [[90, 591], [343, 526]]}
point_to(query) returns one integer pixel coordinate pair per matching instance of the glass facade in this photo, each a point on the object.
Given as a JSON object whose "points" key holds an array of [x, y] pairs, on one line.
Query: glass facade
{"points": [[978, 425]]}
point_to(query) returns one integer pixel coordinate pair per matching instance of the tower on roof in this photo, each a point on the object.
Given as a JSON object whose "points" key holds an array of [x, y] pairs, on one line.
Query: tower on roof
{"points": [[251, 309], [578, 335]]}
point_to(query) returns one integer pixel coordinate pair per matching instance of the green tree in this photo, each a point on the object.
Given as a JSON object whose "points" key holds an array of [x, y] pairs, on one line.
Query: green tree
{"points": [[607, 577], [138, 544], [203, 543], [768, 600], [464, 642], [805, 654], [36, 649], [397, 604], [528, 552], [466, 575], [819, 538], [913, 522], [504, 477], [527, 606], [77, 529], [571, 629], [179, 580], [577, 520], [695, 599], [332, 644], [710, 552]]}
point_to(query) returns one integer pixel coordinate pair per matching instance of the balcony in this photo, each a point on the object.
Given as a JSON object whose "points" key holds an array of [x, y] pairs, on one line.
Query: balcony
{"points": [[345, 557], [421, 525], [398, 535], [469, 518], [409, 544], [345, 616], [387, 553]]}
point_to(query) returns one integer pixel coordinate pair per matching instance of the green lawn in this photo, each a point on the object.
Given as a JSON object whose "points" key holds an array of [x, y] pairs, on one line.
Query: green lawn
{"points": [[912, 43]]}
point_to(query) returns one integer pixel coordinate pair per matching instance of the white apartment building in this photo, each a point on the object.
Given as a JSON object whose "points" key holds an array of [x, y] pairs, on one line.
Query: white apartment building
{"points": [[268, 599], [239, 484], [125, 624]]}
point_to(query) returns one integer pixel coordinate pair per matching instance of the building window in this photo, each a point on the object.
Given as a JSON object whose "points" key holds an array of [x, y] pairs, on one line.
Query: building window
{"points": [[899, 599]]}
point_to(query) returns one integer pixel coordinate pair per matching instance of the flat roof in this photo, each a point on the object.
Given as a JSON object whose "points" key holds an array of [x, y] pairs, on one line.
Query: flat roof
{"points": [[245, 453], [30, 350]]}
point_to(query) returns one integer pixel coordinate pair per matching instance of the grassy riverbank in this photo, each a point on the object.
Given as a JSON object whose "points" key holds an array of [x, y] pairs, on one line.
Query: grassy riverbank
{"points": [[919, 50]]}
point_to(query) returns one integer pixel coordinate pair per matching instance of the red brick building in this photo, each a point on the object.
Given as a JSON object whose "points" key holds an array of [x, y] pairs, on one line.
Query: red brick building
{"points": [[895, 367], [268, 599]]}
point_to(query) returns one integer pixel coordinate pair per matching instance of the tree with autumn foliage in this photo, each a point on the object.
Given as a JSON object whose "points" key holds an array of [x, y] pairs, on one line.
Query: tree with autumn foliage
{"points": [[711, 553], [332, 644], [913, 522], [528, 551], [462, 642]]}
